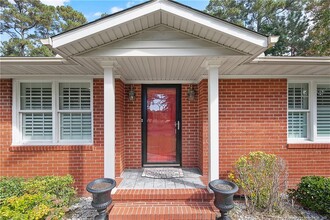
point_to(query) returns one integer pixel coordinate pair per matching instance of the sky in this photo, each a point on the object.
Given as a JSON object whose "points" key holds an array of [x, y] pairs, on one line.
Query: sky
{"points": [[92, 9]]}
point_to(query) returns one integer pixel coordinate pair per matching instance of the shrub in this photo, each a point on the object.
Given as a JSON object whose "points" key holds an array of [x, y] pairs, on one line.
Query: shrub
{"points": [[262, 177], [37, 198], [58, 186], [26, 207], [313, 193], [10, 186]]}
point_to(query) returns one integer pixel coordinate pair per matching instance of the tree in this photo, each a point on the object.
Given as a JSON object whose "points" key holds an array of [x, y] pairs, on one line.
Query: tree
{"points": [[320, 32], [284, 18], [27, 21]]}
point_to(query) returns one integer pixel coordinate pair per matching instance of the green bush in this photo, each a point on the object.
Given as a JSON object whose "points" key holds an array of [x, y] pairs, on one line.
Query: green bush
{"points": [[10, 186], [36, 198], [27, 206], [313, 193], [262, 177], [58, 186]]}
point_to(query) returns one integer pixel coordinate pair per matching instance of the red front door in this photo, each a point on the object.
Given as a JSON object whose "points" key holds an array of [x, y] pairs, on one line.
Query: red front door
{"points": [[161, 124]]}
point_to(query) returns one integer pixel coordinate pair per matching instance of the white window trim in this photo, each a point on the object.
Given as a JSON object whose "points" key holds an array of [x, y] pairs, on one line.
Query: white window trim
{"points": [[311, 115], [16, 126]]}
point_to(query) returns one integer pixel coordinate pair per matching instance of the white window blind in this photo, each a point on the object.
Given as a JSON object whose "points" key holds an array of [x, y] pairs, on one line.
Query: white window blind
{"points": [[298, 108], [37, 126], [75, 96], [76, 126], [36, 111], [297, 124], [36, 96], [75, 111], [323, 110]]}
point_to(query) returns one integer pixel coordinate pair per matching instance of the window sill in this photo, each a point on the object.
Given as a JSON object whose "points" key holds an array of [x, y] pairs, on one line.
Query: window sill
{"points": [[310, 145], [22, 148]]}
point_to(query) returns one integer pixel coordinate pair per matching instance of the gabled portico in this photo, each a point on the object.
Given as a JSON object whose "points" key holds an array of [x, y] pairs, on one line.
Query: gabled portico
{"points": [[160, 42]]}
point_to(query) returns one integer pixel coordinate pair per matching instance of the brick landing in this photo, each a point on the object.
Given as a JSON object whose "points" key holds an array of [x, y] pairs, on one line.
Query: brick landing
{"points": [[166, 204]]}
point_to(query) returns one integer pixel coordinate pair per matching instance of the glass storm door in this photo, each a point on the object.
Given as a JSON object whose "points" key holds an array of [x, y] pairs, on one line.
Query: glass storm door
{"points": [[161, 117]]}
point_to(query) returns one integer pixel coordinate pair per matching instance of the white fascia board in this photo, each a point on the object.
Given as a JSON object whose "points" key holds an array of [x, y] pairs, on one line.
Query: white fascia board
{"points": [[103, 24], [292, 60], [33, 61], [216, 24]]}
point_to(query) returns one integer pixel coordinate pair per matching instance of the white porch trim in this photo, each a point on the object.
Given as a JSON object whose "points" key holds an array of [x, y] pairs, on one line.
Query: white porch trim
{"points": [[109, 120], [213, 110]]}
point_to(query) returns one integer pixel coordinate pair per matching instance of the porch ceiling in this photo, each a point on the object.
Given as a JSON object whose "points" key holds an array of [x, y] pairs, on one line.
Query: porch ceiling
{"points": [[160, 69]]}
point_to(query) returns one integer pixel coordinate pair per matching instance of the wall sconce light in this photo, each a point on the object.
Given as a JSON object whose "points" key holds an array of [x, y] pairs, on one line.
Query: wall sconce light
{"points": [[131, 94], [191, 93]]}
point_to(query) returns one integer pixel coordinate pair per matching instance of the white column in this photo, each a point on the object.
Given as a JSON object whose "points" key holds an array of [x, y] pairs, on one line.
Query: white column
{"points": [[109, 122], [213, 110]]}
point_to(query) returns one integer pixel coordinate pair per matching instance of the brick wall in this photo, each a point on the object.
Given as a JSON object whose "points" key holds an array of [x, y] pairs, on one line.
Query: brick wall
{"points": [[120, 126], [133, 137], [203, 126], [253, 116], [85, 163], [190, 128]]}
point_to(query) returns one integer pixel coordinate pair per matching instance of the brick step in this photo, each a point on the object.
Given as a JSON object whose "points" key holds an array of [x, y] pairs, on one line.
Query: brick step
{"points": [[165, 210], [201, 195]]}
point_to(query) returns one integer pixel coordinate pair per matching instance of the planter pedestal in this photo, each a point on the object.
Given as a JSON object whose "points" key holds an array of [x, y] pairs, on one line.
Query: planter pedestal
{"points": [[224, 196], [101, 191]]}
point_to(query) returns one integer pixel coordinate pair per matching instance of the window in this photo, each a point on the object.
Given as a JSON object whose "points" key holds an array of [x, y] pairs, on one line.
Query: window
{"points": [[323, 110], [36, 111], [308, 111], [53, 113], [298, 109]]}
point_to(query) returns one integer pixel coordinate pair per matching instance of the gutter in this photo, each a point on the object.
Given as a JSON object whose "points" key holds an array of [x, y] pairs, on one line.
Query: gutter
{"points": [[33, 60], [292, 60]]}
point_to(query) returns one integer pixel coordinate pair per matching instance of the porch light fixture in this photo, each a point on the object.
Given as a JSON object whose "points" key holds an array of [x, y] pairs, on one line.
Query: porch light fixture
{"points": [[191, 93], [131, 94]]}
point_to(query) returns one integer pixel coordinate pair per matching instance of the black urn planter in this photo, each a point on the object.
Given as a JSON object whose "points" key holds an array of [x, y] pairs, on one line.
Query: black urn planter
{"points": [[101, 191], [224, 196]]}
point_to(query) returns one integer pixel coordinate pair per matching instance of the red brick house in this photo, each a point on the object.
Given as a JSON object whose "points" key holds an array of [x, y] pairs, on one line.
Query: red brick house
{"points": [[161, 84]]}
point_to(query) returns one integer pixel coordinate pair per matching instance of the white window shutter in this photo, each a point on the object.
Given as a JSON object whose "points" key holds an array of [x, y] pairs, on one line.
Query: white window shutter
{"points": [[75, 96], [298, 107], [323, 110], [75, 111], [37, 126], [76, 126], [36, 104], [297, 123]]}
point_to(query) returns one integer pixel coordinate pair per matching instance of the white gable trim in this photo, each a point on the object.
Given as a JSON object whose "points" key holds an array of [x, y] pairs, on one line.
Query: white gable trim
{"points": [[103, 24], [216, 24], [172, 9]]}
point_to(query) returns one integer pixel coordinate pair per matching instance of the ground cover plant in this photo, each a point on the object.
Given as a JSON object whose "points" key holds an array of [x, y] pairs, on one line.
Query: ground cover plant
{"points": [[262, 178], [313, 193], [36, 198]]}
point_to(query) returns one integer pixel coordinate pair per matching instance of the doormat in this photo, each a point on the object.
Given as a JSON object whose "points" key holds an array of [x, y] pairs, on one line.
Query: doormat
{"points": [[162, 173]]}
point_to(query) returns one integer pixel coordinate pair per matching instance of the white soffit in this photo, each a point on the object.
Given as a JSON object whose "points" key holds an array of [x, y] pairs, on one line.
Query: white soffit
{"points": [[151, 14], [284, 67]]}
